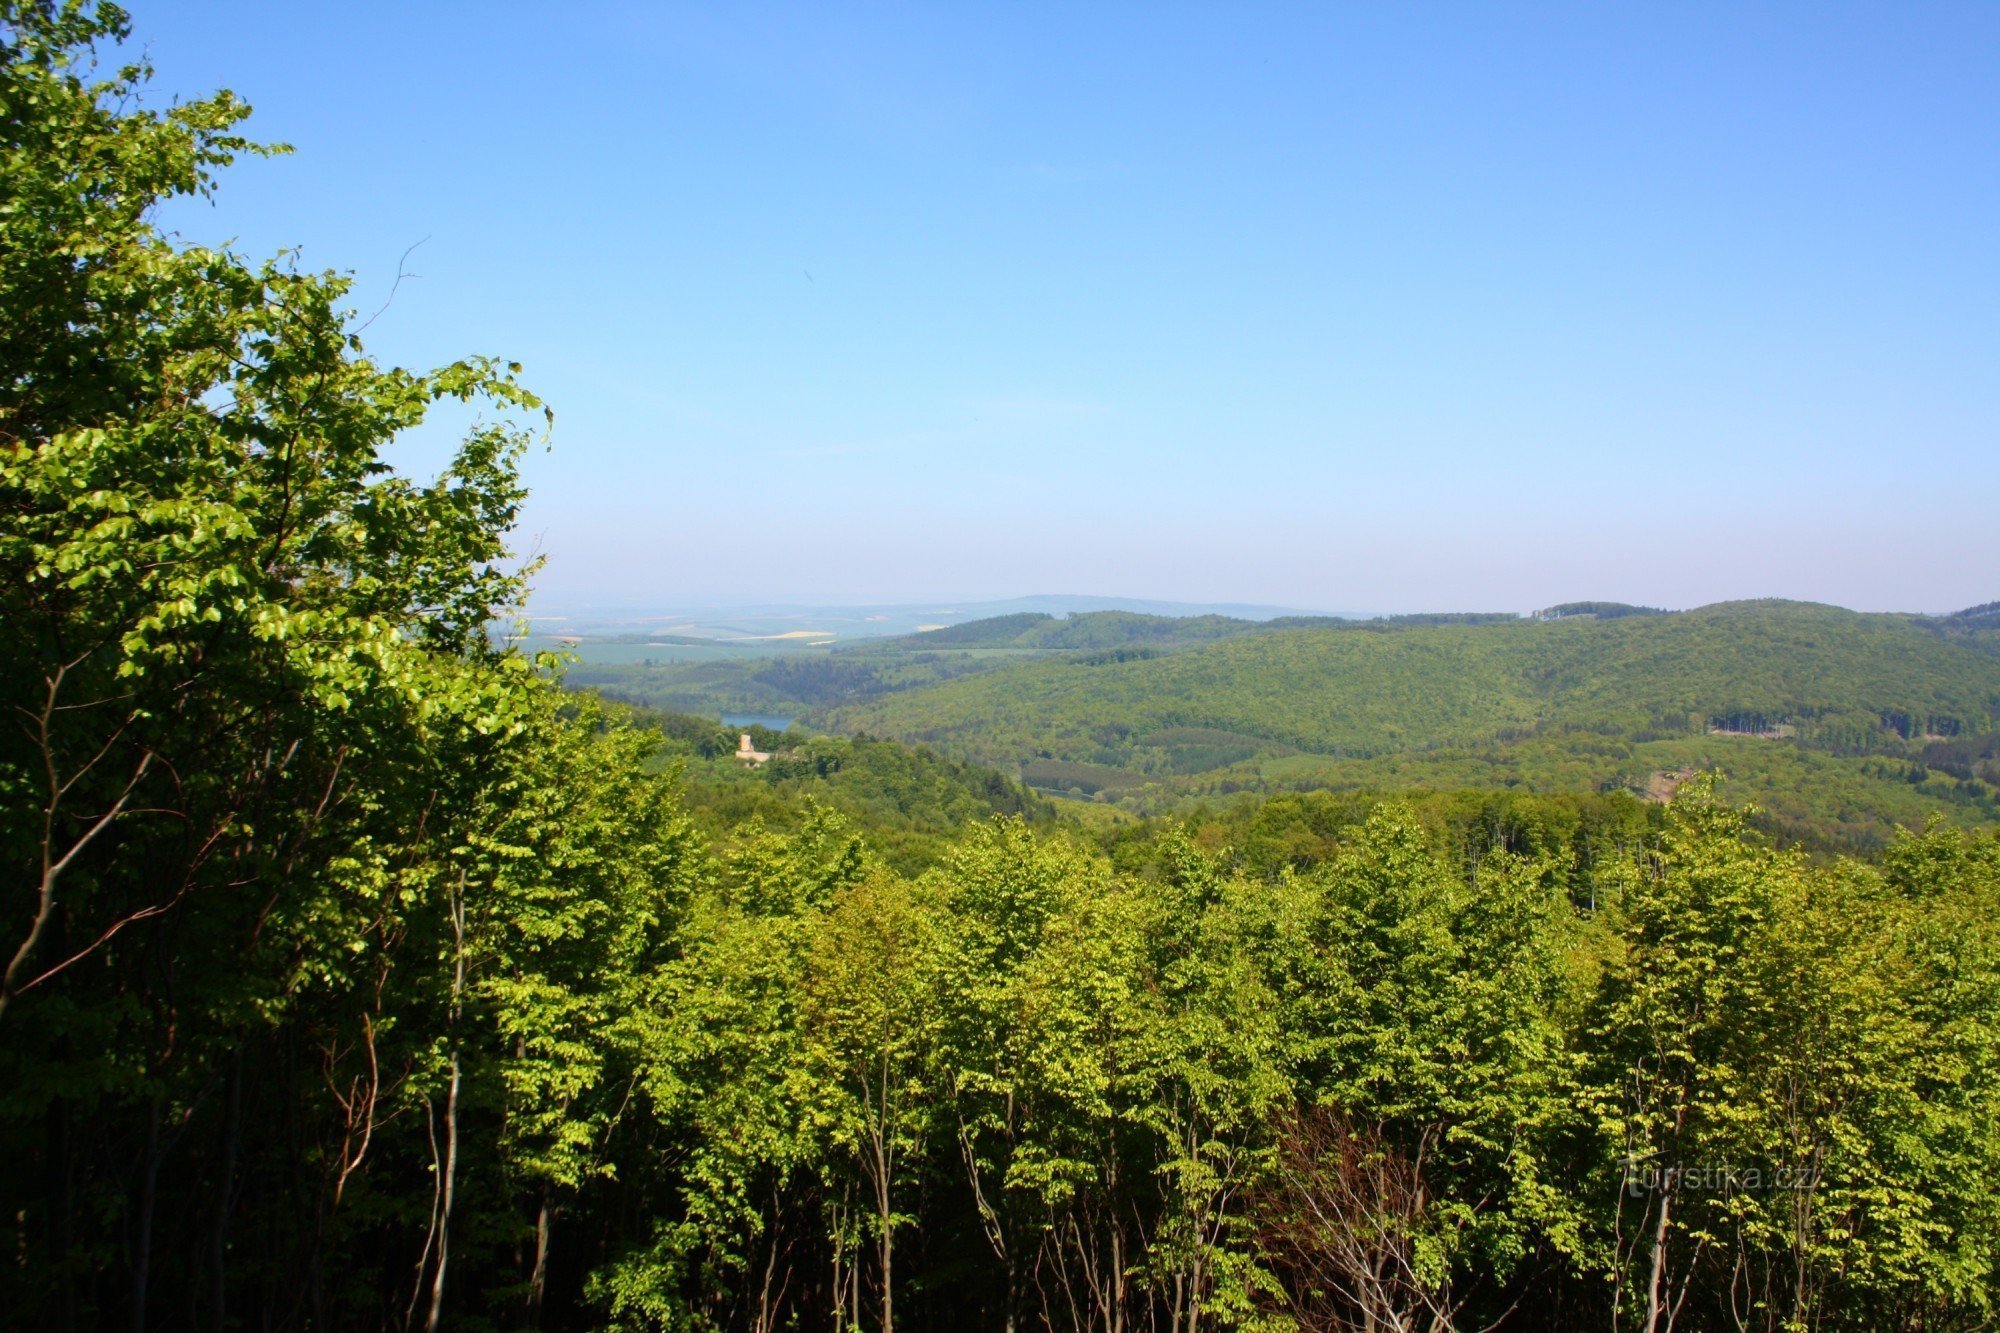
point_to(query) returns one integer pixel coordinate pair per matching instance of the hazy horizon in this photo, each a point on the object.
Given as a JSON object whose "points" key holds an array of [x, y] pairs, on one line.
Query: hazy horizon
{"points": [[1350, 308], [542, 608]]}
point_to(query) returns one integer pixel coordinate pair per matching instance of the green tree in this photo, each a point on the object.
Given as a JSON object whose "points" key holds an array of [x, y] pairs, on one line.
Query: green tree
{"points": [[1431, 1080], [266, 758], [719, 1032], [1004, 887], [871, 1015]]}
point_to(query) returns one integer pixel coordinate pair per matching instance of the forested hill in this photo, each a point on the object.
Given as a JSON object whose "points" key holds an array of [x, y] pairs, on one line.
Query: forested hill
{"points": [[1277, 706], [911, 801], [1838, 676], [1839, 724], [794, 679], [1088, 629]]}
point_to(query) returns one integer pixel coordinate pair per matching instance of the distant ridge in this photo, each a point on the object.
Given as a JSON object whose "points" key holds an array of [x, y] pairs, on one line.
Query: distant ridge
{"points": [[1066, 603], [1598, 610], [628, 631], [1601, 695], [747, 625]]}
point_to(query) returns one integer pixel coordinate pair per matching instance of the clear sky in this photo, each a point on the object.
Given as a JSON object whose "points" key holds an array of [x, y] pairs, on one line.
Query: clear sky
{"points": [[1355, 307]]}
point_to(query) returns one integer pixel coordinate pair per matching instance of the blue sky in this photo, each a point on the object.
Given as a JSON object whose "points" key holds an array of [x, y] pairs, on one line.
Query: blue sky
{"points": [[1382, 307]]}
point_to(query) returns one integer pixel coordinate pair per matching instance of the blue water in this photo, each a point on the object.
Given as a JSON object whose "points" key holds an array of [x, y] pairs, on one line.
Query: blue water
{"points": [[756, 720]]}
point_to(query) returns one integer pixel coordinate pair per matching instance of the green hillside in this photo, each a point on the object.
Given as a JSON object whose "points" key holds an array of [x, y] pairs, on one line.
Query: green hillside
{"points": [[1819, 671], [911, 800], [1579, 700], [668, 677]]}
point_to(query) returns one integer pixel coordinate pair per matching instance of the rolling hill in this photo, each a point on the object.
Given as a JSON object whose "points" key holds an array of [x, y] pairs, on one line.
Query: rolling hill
{"points": [[1793, 668], [1794, 697]]}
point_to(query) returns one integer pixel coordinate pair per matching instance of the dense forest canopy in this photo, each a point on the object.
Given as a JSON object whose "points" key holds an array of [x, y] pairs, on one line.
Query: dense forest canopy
{"points": [[1600, 610], [1840, 724], [1340, 690], [360, 975]]}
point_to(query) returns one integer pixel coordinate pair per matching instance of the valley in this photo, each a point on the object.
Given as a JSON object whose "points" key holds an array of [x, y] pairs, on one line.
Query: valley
{"points": [[1831, 720]]}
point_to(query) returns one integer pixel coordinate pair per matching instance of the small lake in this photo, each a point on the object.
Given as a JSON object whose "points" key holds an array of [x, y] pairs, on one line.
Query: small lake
{"points": [[756, 720]]}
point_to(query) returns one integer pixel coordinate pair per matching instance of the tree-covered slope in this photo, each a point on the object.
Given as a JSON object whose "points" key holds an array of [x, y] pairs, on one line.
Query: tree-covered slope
{"points": [[909, 799], [812, 678], [1334, 704], [1357, 691], [1750, 665], [1766, 664]]}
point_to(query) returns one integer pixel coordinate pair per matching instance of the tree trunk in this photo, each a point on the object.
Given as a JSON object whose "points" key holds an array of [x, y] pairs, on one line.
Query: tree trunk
{"points": [[1654, 1304], [1117, 1234], [444, 1211], [885, 1166], [888, 1259], [450, 1185], [538, 1279]]}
